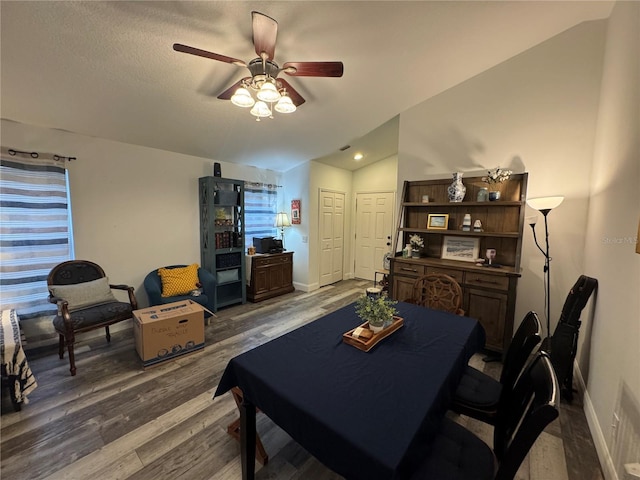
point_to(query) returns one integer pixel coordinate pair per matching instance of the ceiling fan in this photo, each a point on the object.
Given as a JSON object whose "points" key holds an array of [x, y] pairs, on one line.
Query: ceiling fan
{"points": [[272, 92]]}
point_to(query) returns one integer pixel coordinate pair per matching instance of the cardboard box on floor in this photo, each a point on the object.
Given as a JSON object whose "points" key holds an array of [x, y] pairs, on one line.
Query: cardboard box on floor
{"points": [[164, 332]]}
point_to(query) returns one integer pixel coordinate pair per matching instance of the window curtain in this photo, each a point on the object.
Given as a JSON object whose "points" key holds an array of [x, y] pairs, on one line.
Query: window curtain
{"points": [[260, 203], [35, 229]]}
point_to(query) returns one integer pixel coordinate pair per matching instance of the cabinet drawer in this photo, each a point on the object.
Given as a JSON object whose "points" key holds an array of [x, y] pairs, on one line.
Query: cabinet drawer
{"points": [[487, 281], [266, 261], [406, 268], [455, 274]]}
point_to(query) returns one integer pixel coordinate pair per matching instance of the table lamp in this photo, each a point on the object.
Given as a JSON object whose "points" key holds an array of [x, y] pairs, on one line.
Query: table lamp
{"points": [[282, 220], [544, 205]]}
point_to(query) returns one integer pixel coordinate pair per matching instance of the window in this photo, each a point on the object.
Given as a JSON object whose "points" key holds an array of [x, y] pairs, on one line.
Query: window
{"points": [[35, 229], [260, 201]]}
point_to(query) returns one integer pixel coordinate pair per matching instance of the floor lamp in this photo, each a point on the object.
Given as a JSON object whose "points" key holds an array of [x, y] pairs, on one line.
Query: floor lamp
{"points": [[282, 220], [544, 205]]}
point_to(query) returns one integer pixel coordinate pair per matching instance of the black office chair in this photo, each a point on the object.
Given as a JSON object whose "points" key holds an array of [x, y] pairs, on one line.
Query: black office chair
{"points": [[479, 395], [457, 454]]}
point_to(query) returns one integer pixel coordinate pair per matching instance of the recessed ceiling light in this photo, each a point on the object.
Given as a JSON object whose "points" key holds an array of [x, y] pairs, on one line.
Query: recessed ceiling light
{"points": [[358, 156]]}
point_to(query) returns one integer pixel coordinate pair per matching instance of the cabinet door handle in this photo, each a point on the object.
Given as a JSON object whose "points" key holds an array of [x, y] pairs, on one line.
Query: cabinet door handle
{"points": [[405, 269]]}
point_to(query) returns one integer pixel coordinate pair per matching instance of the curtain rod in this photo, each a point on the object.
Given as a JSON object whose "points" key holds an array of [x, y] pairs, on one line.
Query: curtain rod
{"points": [[268, 185], [62, 158]]}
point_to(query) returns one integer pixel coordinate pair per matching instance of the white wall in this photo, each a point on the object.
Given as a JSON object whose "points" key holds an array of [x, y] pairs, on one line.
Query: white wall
{"points": [[134, 208], [537, 113], [380, 176], [325, 177], [296, 187], [613, 361]]}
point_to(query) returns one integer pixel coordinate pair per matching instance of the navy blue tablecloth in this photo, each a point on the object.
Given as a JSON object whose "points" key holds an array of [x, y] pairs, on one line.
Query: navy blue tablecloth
{"points": [[365, 415]]}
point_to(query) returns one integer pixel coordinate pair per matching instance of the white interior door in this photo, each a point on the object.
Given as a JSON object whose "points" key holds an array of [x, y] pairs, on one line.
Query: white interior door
{"points": [[331, 237], [374, 223]]}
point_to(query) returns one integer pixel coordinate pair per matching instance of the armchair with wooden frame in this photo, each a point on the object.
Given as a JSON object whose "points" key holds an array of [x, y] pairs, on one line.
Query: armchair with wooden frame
{"points": [[82, 292]]}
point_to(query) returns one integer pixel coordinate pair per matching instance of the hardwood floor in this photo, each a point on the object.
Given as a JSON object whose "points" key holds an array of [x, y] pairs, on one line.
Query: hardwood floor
{"points": [[115, 420]]}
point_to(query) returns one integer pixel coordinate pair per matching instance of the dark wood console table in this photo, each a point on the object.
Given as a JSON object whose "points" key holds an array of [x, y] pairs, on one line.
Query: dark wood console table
{"points": [[270, 275]]}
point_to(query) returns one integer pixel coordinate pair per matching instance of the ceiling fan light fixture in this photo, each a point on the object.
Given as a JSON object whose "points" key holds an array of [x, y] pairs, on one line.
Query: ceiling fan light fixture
{"points": [[260, 110], [285, 105], [242, 98], [268, 93]]}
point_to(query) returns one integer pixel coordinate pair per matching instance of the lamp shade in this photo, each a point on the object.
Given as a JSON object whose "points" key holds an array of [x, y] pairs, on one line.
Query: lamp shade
{"points": [[285, 105], [282, 220], [260, 109], [545, 203], [268, 93], [242, 98]]}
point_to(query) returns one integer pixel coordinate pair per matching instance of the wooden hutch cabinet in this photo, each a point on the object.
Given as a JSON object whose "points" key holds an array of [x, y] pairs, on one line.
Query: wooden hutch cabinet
{"points": [[489, 293], [270, 275]]}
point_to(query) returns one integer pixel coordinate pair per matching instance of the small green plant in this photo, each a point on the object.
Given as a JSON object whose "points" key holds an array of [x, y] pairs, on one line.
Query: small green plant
{"points": [[377, 310]]}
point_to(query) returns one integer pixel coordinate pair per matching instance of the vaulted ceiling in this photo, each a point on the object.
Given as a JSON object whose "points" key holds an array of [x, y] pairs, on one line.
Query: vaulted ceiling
{"points": [[107, 69]]}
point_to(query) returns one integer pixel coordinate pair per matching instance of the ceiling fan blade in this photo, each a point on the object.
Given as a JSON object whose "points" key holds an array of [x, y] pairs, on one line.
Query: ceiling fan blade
{"points": [[314, 69], [228, 93], [296, 98], [178, 47], [265, 31]]}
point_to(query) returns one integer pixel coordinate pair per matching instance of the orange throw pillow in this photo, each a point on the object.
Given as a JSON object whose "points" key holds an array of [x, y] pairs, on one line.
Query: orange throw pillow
{"points": [[178, 281]]}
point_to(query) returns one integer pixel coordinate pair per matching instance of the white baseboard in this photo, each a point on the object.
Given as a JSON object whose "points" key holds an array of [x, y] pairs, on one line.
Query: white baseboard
{"points": [[304, 287], [599, 441]]}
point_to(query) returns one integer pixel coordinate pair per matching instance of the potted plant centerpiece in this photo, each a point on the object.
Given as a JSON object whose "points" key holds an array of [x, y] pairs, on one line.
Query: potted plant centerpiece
{"points": [[417, 244], [378, 310]]}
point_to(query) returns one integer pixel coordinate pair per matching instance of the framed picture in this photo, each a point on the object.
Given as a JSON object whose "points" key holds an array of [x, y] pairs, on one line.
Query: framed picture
{"points": [[295, 212], [438, 221], [465, 249]]}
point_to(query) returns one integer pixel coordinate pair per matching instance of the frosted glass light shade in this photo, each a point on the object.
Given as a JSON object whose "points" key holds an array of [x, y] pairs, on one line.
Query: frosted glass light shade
{"points": [[268, 93], [242, 98], [285, 105], [260, 109], [545, 203], [282, 220]]}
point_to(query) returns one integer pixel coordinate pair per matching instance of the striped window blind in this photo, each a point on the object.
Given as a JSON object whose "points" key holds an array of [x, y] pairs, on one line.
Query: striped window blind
{"points": [[260, 202], [35, 230]]}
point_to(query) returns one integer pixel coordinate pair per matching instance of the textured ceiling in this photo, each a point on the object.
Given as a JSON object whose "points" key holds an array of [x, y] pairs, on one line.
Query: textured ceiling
{"points": [[107, 69]]}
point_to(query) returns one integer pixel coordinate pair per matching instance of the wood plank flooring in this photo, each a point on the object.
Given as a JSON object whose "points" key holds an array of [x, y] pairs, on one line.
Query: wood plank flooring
{"points": [[114, 420]]}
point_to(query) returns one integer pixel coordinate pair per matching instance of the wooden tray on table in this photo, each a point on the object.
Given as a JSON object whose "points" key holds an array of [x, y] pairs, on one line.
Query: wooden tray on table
{"points": [[366, 344]]}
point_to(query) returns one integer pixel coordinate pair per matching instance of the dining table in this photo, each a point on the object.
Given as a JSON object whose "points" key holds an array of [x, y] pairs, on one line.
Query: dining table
{"points": [[363, 414]]}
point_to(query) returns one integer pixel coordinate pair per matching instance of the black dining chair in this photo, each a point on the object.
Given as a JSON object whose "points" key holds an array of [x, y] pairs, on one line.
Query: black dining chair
{"points": [[478, 395], [457, 454]]}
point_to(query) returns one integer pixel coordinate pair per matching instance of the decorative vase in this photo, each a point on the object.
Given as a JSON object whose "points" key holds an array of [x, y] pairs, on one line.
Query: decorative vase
{"points": [[493, 196], [415, 253], [483, 195], [457, 189]]}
